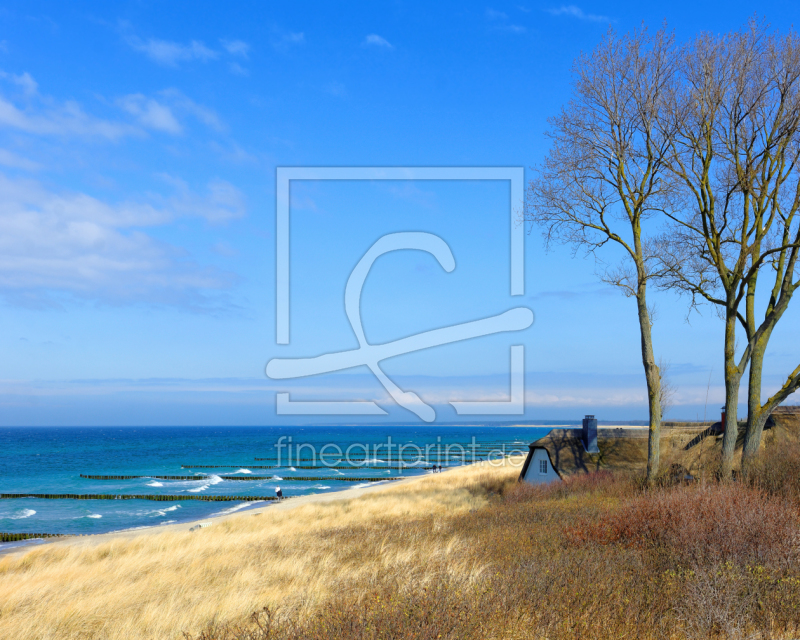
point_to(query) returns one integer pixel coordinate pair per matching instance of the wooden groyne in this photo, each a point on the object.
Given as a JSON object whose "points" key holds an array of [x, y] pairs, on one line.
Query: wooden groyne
{"points": [[190, 478], [240, 478], [228, 466], [16, 537], [122, 496], [335, 479], [308, 479], [286, 466]]}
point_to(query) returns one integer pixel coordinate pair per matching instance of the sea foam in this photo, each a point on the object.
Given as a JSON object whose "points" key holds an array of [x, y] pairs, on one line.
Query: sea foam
{"points": [[213, 479], [368, 484], [244, 505]]}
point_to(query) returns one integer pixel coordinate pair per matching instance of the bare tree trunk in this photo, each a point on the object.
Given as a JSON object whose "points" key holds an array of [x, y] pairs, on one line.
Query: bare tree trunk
{"points": [[733, 378], [653, 378], [756, 416], [782, 292]]}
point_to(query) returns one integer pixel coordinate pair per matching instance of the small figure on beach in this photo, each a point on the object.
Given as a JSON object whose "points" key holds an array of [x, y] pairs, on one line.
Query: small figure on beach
{"points": [[279, 493]]}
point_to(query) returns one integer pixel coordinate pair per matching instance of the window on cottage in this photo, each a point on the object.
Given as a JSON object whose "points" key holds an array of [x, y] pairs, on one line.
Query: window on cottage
{"points": [[542, 467]]}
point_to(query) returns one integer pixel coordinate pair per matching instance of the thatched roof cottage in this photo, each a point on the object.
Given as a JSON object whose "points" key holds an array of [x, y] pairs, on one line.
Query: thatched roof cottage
{"points": [[691, 447]]}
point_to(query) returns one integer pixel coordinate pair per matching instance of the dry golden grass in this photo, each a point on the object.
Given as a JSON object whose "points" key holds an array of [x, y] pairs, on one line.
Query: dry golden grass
{"points": [[599, 556], [159, 585]]}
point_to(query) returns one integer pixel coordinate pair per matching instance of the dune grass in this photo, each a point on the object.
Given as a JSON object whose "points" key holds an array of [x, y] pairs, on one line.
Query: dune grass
{"points": [[599, 556], [158, 585], [470, 554]]}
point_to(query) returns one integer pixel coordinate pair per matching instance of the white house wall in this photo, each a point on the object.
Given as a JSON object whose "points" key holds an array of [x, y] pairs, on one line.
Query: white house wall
{"points": [[533, 473]]}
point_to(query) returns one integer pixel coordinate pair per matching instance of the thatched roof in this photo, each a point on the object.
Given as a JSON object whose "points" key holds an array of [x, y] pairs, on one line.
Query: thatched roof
{"points": [[620, 449]]}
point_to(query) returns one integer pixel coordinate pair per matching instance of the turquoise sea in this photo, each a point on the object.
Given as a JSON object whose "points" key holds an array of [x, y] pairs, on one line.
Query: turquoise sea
{"points": [[48, 460]]}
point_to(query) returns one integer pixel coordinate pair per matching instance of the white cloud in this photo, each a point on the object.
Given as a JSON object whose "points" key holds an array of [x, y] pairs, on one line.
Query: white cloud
{"points": [[283, 40], [233, 153], [10, 159], [204, 114], [377, 41], [576, 12], [237, 47], [292, 38], [495, 15], [67, 119], [43, 115], [24, 81], [501, 23], [52, 243], [238, 70], [150, 114], [169, 54], [224, 249], [27, 83], [509, 28], [221, 202], [161, 116]]}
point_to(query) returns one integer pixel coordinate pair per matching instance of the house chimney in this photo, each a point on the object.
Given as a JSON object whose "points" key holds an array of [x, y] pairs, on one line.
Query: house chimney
{"points": [[590, 434]]}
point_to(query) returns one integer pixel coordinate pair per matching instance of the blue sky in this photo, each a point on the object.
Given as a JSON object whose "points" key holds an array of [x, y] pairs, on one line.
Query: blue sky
{"points": [[138, 150]]}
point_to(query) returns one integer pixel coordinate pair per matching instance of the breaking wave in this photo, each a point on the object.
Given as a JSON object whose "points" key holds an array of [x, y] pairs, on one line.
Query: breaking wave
{"points": [[212, 479]]}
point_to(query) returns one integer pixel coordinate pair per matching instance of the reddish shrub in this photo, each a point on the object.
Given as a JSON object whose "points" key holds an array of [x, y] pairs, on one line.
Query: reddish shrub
{"points": [[714, 523]]}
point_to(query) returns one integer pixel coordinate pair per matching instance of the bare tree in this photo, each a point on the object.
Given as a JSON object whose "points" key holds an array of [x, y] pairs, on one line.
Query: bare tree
{"points": [[779, 192], [602, 179], [734, 126]]}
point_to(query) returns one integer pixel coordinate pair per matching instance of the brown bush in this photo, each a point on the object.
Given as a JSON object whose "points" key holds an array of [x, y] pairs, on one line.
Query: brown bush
{"points": [[777, 471], [701, 525]]}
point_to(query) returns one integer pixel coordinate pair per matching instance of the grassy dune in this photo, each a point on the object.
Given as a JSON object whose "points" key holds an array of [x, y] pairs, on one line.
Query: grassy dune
{"points": [[157, 585], [470, 554]]}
